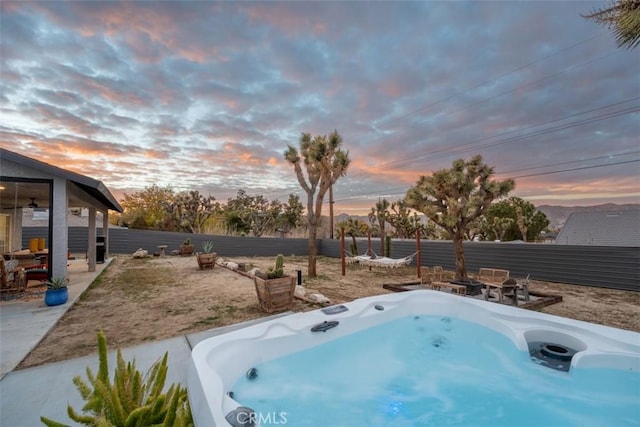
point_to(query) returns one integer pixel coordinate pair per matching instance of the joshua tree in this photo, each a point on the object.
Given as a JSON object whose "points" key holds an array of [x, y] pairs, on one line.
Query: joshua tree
{"points": [[324, 162], [623, 17], [379, 215], [515, 218], [454, 198], [354, 228]]}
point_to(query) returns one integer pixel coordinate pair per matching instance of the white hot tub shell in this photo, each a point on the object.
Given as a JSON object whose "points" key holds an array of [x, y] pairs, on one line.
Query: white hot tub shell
{"points": [[216, 363]]}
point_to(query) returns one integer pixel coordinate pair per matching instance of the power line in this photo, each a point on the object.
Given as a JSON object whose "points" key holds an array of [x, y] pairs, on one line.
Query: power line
{"points": [[473, 145], [555, 129], [577, 169], [570, 162], [402, 190], [548, 77], [521, 67]]}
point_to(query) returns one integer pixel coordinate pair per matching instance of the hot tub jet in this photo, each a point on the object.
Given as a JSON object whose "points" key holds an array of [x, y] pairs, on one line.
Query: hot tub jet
{"points": [[325, 326], [252, 374]]}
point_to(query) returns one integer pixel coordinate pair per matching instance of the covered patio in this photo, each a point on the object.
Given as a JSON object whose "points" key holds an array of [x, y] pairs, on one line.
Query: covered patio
{"points": [[26, 183], [24, 322]]}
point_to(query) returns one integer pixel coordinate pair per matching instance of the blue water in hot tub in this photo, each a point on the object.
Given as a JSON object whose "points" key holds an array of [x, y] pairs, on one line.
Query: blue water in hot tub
{"points": [[433, 371]]}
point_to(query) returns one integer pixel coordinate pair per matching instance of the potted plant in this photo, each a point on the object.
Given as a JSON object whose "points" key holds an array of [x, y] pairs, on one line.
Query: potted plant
{"points": [[274, 288], [57, 292], [207, 258], [186, 248]]}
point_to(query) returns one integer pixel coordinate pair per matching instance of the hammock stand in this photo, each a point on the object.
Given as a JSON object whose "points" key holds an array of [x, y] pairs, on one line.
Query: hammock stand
{"points": [[377, 261], [380, 261]]}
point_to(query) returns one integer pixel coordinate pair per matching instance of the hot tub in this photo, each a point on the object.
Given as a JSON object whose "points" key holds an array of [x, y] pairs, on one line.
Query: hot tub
{"points": [[547, 347]]}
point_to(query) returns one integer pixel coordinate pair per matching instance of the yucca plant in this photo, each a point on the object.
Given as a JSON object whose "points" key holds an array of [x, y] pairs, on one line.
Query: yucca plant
{"points": [[132, 399]]}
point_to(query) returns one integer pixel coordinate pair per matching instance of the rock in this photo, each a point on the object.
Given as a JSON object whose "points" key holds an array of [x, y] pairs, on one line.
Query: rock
{"points": [[140, 253], [232, 265], [299, 291], [319, 298], [254, 271]]}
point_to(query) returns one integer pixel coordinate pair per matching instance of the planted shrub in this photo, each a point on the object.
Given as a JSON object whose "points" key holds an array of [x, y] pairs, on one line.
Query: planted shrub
{"points": [[133, 399]]}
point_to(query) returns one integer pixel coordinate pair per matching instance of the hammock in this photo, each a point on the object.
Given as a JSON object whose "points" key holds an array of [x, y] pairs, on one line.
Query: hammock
{"points": [[380, 261]]}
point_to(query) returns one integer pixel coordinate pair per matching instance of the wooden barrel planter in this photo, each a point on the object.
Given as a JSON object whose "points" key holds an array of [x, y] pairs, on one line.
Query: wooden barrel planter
{"points": [[275, 294], [207, 260]]}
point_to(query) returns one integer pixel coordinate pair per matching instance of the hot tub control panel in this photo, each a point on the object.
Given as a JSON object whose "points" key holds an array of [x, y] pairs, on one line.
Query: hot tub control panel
{"points": [[335, 309]]}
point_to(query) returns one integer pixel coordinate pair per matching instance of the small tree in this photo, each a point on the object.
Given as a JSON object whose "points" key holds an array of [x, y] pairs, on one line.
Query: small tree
{"points": [[291, 216], [515, 218], [147, 209], [453, 198], [354, 228], [191, 210], [324, 162], [379, 215], [406, 222]]}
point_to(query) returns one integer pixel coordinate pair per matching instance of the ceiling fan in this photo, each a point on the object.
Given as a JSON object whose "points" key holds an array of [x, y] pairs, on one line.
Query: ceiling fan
{"points": [[33, 204]]}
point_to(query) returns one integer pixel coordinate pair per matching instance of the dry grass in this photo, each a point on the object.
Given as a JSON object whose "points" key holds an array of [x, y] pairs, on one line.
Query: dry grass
{"points": [[134, 301]]}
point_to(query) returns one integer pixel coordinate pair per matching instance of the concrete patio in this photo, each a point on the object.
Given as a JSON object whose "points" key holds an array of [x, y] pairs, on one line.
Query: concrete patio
{"points": [[27, 394]]}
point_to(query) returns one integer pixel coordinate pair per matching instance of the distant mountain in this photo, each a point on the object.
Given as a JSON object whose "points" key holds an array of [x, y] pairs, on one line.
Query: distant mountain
{"points": [[558, 215]]}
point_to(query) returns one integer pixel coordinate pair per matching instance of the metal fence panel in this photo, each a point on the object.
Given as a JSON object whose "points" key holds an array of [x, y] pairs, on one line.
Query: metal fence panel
{"points": [[127, 241], [607, 267]]}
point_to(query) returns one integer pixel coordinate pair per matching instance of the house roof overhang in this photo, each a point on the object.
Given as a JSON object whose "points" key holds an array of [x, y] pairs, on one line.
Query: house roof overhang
{"points": [[94, 189]]}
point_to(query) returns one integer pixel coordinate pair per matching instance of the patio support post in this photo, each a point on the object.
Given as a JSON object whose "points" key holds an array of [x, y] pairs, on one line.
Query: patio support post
{"points": [[58, 243], [16, 230], [91, 239], [105, 232]]}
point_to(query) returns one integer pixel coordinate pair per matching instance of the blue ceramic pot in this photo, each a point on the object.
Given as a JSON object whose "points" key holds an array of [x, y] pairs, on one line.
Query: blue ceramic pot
{"points": [[56, 296]]}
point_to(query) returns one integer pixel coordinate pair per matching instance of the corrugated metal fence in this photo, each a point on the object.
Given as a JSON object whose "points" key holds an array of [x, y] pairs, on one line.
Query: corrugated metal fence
{"points": [[127, 241], [608, 267]]}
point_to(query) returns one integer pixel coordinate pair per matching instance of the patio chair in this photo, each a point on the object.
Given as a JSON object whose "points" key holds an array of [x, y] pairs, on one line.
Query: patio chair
{"points": [[438, 279], [523, 286], [12, 277], [434, 274], [508, 287], [36, 272]]}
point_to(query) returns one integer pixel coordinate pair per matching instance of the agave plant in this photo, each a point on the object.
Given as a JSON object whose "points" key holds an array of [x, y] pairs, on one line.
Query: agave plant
{"points": [[56, 283], [207, 247]]}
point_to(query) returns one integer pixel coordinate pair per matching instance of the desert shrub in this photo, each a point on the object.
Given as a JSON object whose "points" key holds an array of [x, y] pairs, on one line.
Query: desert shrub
{"points": [[132, 399]]}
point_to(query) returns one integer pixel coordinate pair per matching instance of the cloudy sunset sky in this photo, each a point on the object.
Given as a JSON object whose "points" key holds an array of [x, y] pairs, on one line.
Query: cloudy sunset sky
{"points": [[207, 95]]}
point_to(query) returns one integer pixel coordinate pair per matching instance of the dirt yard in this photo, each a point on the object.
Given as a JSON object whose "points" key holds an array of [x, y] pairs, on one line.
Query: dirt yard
{"points": [[139, 300]]}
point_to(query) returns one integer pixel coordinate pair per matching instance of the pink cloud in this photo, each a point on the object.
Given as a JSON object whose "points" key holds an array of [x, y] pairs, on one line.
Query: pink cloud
{"points": [[137, 24]]}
